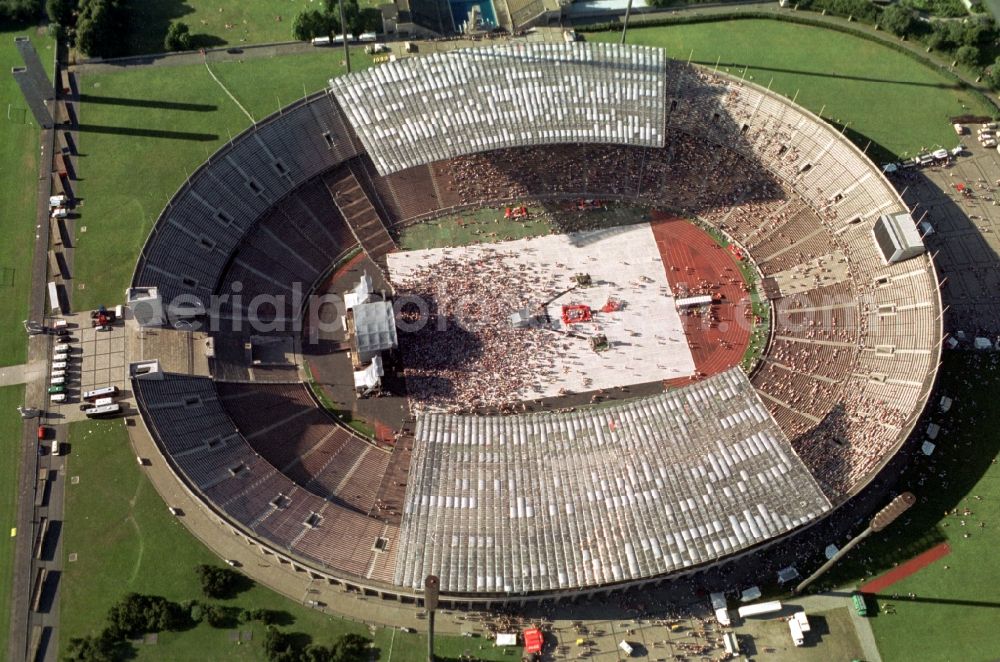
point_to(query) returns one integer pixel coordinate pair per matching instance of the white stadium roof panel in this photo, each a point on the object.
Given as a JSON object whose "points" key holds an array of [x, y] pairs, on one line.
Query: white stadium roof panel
{"points": [[546, 501], [419, 110]]}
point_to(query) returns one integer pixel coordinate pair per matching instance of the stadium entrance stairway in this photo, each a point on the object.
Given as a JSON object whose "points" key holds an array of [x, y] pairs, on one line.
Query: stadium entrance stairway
{"points": [[361, 215]]}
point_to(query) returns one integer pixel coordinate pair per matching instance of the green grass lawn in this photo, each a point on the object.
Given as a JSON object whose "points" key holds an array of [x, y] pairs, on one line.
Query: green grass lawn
{"points": [[19, 149], [886, 97], [956, 611], [218, 22], [127, 178], [126, 540], [477, 226], [215, 23], [10, 455]]}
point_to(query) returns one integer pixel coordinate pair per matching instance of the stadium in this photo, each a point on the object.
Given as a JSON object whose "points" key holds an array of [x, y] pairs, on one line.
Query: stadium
{"points": [[521, 453]]}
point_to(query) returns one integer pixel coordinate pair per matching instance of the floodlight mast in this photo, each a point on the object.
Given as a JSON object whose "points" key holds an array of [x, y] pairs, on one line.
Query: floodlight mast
{"points": [[343, 28], [628, 12], [882, 519], [431, 584]]}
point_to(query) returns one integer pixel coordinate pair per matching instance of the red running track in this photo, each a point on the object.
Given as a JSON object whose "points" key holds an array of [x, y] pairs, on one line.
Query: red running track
{"points": [[901, 572], [695, 264]]}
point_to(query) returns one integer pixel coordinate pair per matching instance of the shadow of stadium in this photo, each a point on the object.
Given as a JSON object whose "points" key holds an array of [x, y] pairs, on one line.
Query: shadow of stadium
{"points": [[147, 103], [942, 481], [826, 74]]}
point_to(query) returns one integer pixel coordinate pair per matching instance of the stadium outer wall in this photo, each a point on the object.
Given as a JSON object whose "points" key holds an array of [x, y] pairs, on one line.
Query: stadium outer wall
{"points": [[392, 592]]}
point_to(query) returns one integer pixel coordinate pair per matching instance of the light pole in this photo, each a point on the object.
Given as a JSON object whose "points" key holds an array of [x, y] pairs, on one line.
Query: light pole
{"points": [[882, 519], [431, 584], [628, 12], [343, 28]]}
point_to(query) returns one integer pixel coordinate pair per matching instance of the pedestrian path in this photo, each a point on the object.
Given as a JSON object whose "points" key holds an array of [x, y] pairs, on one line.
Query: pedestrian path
{"points": [[13, 375]]}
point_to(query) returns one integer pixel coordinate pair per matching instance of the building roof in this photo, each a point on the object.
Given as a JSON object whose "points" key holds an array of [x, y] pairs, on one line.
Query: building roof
{"points": [[549, 501], [897, 236], [419, 110], [375, 327], [361, 293], [370, 376]]}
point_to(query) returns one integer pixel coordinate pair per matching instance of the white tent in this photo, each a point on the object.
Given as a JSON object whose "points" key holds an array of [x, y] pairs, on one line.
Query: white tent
{"points": [[506, 639], [369, 378], [362, 293], [787, 574]]}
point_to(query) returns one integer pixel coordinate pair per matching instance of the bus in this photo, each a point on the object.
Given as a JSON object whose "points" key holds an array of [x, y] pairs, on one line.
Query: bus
{"points": [[104, 411], [859, 604], [106, 392]]}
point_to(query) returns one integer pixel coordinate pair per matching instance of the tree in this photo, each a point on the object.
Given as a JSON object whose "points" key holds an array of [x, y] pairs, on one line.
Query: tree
{"points": [[216, 616], [310, 24], [178, 37], [278, 646], [898, 20], [218, 582], [954, 34], [102, 648], [60, 11], [265, 616], [317, 653], [99, 26], [355, 19], [137, 614], [17, 11], [937, 38], [967, 55], [979, 33], [993, 76], [350, 648]]}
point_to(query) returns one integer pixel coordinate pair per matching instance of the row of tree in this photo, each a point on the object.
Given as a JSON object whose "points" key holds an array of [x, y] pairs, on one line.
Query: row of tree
{"points": [[969, 41], [325, 22], [17, 11], [96, 27], [136, 614], [285, 647]]}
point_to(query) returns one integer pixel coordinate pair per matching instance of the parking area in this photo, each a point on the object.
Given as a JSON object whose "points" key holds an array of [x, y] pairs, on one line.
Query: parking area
{"points": [[961, 201], [95, 359]]}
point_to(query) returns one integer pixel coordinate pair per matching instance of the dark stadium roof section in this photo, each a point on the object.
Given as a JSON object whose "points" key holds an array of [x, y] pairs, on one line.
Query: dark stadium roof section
{"points": [[853, 354], [417, 110], [549, 501]]}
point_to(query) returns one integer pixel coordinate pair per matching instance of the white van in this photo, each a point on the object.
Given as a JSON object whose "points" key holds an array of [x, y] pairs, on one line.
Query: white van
{"points": [[57, 397], [58, 365], [55, 447], [58, 381], [58, 373]]}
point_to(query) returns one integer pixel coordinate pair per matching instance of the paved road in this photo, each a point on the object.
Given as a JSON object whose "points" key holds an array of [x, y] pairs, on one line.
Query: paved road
{"points": [[820, 602], [34, 396]]}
